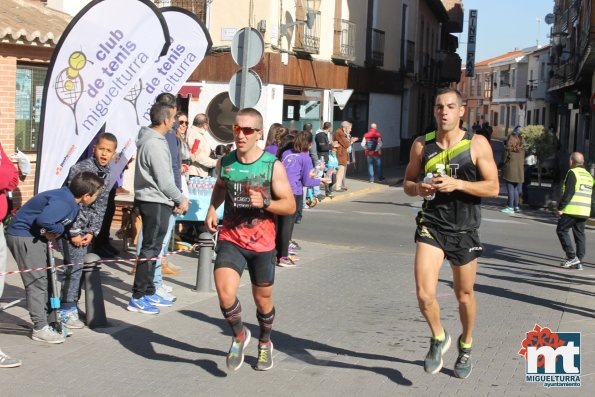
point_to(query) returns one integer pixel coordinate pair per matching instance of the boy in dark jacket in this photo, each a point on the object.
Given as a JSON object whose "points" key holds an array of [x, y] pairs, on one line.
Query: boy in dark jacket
{"points": [[41, 219], [85, 227]]}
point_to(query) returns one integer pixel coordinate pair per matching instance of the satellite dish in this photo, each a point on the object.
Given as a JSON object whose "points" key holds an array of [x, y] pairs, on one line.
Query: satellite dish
{"points": [[549, 19]]}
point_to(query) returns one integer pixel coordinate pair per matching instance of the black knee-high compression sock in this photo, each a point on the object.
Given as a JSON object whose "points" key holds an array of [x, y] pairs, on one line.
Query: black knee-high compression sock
{"points": [[266, 325], [233, 315]]}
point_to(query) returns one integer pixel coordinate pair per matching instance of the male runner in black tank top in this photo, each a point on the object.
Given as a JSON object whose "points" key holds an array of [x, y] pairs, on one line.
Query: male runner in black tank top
{"points": [[447, 225]]}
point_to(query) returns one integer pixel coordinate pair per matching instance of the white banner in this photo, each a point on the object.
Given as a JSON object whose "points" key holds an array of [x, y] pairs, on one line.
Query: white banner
{"points": [[190, 42], [100, 56]]}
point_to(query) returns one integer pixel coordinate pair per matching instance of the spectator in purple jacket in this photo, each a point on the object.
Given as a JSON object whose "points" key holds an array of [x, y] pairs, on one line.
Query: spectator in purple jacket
{"points": [[274, 137], [293, 153]]}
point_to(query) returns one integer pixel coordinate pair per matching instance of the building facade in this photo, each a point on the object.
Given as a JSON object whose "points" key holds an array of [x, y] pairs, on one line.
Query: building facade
{"points": [[359, 60], [572, 77]]}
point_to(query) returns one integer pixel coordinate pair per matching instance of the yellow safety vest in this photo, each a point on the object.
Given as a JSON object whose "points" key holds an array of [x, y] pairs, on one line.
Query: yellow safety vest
{"points": [[580, 203]]}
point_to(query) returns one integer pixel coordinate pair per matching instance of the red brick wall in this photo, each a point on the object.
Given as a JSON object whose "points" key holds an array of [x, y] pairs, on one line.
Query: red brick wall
{"points": [[9, 56]]}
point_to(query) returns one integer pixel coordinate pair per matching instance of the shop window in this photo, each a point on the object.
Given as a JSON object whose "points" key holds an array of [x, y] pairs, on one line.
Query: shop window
{"points": [[29, 94], [301, 106], [356, 112]]}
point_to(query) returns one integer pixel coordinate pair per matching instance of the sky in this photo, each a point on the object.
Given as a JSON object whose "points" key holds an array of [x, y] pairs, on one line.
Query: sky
{"points": [[503, 25]]}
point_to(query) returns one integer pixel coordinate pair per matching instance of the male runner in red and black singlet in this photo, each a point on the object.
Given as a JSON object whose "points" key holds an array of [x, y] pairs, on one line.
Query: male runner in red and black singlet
{"points": [[447, 226], [255, 188]]}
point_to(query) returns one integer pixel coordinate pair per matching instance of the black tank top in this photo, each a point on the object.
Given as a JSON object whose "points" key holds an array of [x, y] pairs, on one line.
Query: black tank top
{"points": [[454, 212]]}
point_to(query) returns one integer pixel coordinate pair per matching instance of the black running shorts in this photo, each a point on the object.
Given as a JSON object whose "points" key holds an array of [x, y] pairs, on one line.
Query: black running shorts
{"points": [[261, 265], [458, 248]]}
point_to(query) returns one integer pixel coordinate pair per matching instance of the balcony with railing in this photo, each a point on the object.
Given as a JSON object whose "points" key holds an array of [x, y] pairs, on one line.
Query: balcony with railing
{"points": [[198, 7], [344, 40], [375, 54], [308, 39]]}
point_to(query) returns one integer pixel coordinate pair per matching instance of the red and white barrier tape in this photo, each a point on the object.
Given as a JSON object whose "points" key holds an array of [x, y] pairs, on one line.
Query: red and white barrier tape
{"points": [[102, 261]]}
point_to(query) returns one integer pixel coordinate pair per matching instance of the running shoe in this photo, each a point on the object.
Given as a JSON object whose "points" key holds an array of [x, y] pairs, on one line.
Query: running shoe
{"points": [[7, 361], [142, 305], [48, 335], [265, 357], [293, 257], [463, 365], [570, 263], [157, 300], [70, 318], [235, 356], [433, 362], [294, 245], [285, 262], [507, 210]]}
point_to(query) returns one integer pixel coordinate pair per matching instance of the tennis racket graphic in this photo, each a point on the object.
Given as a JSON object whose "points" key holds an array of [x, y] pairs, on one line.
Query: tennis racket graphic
{"points": [[132, 96]]}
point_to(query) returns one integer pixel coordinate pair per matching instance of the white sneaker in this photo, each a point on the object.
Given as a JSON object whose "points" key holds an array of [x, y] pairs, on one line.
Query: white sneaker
{"points": [[162, 292], [7, 361], [570, 263], [47, 334], [167, 287]]}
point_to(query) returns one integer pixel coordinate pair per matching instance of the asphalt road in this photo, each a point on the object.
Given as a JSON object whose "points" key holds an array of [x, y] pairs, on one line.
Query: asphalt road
{"points": [[347, 319]]}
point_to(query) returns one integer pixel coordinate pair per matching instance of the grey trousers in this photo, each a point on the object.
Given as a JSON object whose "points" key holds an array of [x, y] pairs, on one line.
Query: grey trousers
{"points": [[3, 258], [29, 253]]}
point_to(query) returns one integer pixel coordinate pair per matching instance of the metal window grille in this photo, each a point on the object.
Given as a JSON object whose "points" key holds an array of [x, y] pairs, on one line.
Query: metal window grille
{"points": [[29, 99], [198, 7], [344, 44]]}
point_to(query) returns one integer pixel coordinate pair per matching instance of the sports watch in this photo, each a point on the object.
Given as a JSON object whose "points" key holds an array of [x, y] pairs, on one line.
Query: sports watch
{"points": [[266, 202]]}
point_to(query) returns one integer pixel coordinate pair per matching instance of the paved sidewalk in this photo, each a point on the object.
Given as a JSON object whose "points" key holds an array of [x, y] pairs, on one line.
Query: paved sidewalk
{"points": [[358, 335]]}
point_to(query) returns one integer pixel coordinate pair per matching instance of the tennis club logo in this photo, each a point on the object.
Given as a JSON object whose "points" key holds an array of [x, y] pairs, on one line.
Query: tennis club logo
{"points": [[553, 358], [69, 83]]}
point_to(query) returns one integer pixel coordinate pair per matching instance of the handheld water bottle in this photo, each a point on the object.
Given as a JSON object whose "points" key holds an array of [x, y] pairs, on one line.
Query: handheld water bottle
{"points": [[428, 179]]}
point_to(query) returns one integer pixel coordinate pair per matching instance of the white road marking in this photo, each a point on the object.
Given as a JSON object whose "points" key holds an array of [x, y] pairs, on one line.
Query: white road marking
{"points": [[376, 213], [330, 211], [502, 221]]}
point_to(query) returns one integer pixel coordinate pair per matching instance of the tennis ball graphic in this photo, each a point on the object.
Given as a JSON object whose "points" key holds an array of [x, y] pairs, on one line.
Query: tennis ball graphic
{"points": [[77, 60], [72, 73], [69, 85]]}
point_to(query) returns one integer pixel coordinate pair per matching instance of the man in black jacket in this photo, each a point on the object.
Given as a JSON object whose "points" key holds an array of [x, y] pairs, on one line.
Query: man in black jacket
{"points": [[323, 140]]}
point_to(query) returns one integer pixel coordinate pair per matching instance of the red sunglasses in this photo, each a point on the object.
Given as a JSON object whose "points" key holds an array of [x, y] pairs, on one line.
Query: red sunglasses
{"points": [[246, 130]]}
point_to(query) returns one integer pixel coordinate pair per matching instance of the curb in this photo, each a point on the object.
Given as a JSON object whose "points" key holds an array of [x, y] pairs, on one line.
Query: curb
{"points": [[345, 196]]}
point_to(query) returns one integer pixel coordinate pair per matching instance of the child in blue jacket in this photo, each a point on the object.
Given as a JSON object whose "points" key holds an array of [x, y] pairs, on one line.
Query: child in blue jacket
{"points": [[44, 218]]}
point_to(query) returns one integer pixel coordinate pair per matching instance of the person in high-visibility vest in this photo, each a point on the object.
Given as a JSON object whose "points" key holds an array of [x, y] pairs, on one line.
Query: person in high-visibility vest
{"points": [[574, 209]]}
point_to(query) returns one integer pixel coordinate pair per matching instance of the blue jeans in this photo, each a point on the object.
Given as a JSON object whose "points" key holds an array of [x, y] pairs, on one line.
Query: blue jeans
{"points": [[158, 279], [371, 161], [514, 193]]}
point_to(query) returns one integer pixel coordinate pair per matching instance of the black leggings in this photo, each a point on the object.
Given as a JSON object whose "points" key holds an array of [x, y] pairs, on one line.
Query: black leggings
{"points": [[285, 229]]}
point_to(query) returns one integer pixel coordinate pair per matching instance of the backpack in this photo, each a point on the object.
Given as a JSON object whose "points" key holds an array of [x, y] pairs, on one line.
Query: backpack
{"points": [[371, 144]]}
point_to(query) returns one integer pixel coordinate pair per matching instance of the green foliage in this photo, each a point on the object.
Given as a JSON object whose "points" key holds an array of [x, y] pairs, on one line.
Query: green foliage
{"points": [[539, 139]]}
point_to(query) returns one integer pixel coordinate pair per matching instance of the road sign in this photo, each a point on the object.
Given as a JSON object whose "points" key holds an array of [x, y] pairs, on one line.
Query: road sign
{"points": [[251, 89], [247, 48], [341, 97], [550, 18], [253, 50]]}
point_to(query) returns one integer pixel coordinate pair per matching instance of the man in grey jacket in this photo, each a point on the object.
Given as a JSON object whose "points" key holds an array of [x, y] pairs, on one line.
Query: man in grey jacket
{"points": [[156, 196]]}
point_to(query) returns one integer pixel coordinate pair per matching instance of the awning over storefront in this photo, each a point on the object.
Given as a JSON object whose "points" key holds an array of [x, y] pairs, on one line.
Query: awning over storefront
{"points": [[190, 90]]}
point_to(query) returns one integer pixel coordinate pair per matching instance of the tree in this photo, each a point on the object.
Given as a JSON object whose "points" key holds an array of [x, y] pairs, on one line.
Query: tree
{"points": [[539, 139]]}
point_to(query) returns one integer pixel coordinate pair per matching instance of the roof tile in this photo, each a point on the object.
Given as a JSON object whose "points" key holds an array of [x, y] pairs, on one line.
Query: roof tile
{"points": [[30, 22]]}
